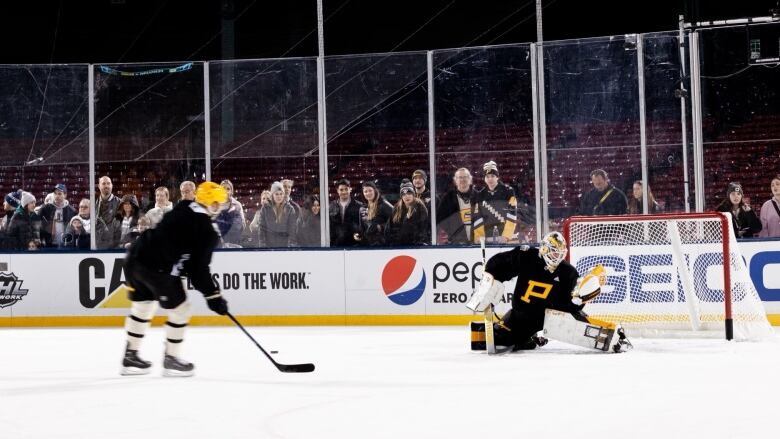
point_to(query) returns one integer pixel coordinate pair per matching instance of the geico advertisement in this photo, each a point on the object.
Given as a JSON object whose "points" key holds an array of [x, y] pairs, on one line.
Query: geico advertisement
{"points": [[257, 283], [422, 282], [646, 274]]}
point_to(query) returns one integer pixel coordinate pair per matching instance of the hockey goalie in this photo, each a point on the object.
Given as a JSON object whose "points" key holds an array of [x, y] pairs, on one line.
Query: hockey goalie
{"points": [[548, 301]]}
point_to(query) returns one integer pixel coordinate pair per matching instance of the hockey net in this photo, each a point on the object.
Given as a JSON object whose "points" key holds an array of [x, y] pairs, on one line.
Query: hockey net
{"points": [[666, 275]]}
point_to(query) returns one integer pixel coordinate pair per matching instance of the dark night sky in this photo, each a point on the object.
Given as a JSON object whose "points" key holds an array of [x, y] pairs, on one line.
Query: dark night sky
{"points": [[104, 31]]}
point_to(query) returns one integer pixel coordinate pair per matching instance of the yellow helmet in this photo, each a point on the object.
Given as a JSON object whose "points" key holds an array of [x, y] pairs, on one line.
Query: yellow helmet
{"points": [[209, 193]]}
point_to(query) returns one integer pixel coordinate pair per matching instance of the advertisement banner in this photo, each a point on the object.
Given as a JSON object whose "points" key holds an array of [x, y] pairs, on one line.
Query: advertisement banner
{"points": [[361, 286]]}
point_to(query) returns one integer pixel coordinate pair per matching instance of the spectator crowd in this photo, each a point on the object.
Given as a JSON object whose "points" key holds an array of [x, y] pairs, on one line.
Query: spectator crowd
{"points": [[465, 213]]}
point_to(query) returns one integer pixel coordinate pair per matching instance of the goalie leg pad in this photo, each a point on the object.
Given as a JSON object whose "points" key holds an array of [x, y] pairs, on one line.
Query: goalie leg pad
{"points": [[478, 336], [565, 328]]}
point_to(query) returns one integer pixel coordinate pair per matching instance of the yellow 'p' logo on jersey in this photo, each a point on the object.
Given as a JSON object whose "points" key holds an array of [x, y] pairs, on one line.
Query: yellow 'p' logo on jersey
{"points": [[536, 289]]}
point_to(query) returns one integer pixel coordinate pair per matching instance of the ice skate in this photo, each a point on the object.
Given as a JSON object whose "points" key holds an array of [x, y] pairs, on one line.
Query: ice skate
{"points": [[132, 364], [176, 367]]}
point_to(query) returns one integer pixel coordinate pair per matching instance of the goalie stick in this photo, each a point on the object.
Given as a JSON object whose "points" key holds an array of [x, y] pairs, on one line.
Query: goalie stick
{"points": [[488, 313], [291, 368]]}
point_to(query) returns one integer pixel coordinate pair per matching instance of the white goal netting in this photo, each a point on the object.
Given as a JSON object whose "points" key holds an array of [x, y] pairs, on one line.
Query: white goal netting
{"points": [[666, 276]]}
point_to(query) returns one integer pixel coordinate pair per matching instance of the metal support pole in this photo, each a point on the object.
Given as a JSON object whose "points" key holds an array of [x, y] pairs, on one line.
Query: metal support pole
{"points": [[537, 149], [91, 120], [432, 147], [642, 121], [207, 118], [698, 142], [323, 132]]}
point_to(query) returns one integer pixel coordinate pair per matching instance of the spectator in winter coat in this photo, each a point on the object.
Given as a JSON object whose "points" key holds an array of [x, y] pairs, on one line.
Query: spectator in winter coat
{"points": [[635, 206], [231, 221], [162, 205], [126, 219], [308, 226], [105, 209], [604, 198], [55, 217], [456, 208], [743, 219], [142, 225], [265, 198], [10, 203], [344, 216], [770, 212], [419, 180], [76, 236], [373, 216], [409, 224], [24, 231], [277, 221]]}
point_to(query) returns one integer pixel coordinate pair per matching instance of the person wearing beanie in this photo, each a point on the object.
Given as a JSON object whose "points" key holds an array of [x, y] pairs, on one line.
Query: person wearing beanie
{"points": [[278, 220], [409, 223], [10, 203], [55, 217], [373, 216], [744, 220], [420, 180], [24, 229], [455, 209], [495, 213]]}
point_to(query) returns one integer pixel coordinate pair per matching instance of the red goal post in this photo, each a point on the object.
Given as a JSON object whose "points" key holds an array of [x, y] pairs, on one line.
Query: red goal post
{"points": [[669, 273]]}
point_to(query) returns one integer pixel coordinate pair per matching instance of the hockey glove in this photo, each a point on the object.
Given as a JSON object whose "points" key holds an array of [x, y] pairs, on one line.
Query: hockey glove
{"points": [[217, 303]]}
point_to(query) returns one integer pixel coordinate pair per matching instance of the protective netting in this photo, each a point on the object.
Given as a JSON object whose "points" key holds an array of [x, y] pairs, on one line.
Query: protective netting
{"points": [[665, 274]]}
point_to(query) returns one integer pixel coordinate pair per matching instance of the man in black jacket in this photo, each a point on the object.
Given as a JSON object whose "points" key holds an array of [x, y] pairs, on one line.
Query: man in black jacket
{"points": [[180, 245], [604, 198], [344, 216]]}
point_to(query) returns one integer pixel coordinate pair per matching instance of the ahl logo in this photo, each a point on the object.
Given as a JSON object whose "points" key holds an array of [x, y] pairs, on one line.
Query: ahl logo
{"points": [[403, 280], [10, 289]]}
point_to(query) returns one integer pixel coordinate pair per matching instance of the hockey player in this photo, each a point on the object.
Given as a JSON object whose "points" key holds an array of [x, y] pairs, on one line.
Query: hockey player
{"points": [[495, 213], [544, 281], [180, 245]]}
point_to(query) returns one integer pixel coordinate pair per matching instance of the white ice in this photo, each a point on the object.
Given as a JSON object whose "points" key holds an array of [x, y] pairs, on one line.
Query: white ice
{"points": [[383, 382]]}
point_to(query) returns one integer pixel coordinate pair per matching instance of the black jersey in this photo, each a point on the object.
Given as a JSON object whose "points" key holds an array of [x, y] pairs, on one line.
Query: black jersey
{"points": [[495, 210], [537, 289], [180, 245]]}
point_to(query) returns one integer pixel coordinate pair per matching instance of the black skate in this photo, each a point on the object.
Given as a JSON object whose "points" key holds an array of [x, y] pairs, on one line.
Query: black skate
{"points": [[132, 364], [623, 343], [532, 343], [176, 367]]}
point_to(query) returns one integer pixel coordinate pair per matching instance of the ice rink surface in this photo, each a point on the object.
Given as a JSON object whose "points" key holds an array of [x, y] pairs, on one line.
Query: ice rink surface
{"points": [[383, 382]]}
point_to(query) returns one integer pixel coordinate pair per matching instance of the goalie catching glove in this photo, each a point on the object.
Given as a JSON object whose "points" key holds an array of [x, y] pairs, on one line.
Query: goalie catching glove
{"points": [[489, 292], [589, 286]]}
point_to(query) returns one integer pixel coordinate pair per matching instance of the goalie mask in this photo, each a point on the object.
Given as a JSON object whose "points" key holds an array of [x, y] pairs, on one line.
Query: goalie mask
{"points": [[553, 250]]}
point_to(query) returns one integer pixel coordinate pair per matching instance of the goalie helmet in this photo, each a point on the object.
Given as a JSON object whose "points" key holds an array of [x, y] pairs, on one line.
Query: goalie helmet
{"points": [[211, 196], [553, 250]]}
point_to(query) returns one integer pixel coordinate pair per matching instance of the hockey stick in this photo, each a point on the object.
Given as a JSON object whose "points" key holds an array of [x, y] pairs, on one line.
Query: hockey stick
{"points": [[490, 342], [303, 367]]}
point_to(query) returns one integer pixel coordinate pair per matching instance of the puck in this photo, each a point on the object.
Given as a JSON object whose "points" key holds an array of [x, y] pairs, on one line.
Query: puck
{"points": [[274, 352]]}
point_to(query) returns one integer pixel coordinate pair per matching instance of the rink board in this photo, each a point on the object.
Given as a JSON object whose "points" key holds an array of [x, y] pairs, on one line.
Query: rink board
{"points": [[296, 287]]}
